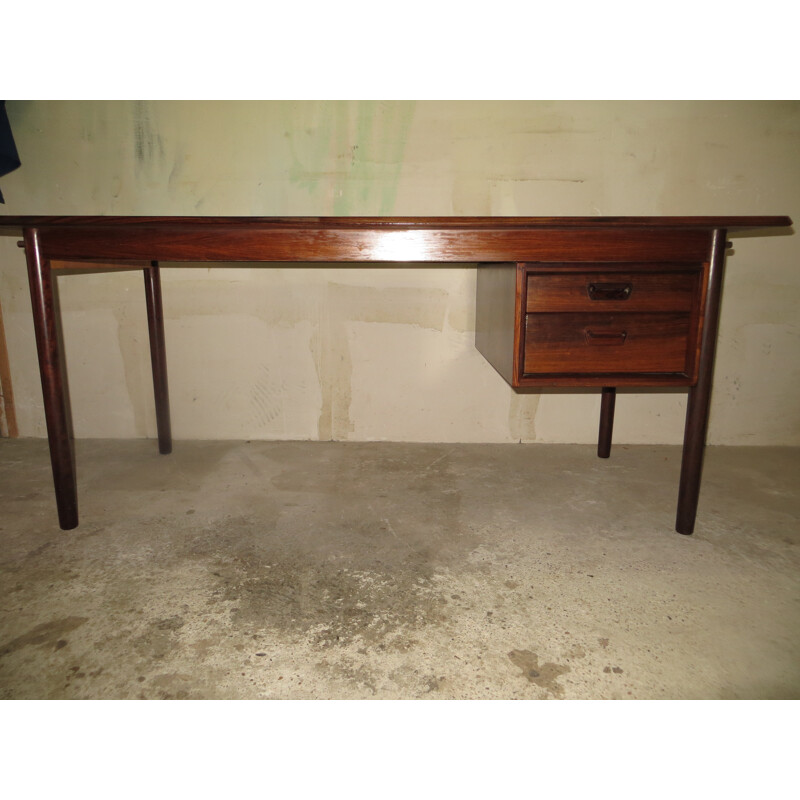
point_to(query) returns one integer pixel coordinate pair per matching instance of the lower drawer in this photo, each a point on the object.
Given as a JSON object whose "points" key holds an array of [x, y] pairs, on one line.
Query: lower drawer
{"points": [[570, 344]]}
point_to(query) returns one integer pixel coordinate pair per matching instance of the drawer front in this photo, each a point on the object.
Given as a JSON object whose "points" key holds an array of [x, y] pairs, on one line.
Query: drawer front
{"points": [[611, 291], [570, 344]]}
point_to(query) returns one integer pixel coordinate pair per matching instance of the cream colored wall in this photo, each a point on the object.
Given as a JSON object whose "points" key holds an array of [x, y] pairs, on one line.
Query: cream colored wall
{"points": [[387, 353]]}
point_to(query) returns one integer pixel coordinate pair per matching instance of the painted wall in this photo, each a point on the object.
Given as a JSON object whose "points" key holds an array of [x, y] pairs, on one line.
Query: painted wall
{"points": [[387, 353]]}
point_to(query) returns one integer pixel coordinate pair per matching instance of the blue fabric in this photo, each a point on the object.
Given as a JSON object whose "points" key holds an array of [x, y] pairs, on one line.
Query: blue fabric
{"points": [[9, 158]]}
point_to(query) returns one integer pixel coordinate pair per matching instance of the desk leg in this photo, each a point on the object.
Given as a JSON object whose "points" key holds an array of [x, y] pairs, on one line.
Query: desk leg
{"points": [[52, 368], [158, 355], [694, 439], [607, 402]]}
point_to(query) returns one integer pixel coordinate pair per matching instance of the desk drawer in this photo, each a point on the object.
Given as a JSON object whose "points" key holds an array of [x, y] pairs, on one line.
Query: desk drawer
{"points": [[611, 291], [570, 344]]}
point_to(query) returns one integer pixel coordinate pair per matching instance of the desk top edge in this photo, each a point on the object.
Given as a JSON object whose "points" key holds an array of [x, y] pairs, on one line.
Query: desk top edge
{"points": [[13, 225]]}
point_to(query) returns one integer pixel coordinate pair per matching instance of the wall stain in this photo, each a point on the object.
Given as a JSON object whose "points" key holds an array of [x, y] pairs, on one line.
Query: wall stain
{"points": [[344, 304], [348, 155], [268, 398], [522, 410], [148, 146], [179, 160], [133, 352]]}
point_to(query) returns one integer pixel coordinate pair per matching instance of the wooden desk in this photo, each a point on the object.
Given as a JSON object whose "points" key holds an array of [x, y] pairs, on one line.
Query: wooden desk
{"points": [[561, 301]]}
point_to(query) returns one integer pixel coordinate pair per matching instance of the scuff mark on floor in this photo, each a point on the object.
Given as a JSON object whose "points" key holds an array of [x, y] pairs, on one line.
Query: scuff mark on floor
{"points": [[543, 675], [48, 633]]}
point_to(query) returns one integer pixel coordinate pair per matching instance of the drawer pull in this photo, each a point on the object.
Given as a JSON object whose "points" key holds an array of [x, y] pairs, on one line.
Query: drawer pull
{"points": [[605, 337], [609, 291]]}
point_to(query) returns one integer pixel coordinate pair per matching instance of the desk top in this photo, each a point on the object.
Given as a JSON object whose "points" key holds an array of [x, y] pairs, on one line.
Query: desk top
{"points": [[11, 225], [378, 239]]}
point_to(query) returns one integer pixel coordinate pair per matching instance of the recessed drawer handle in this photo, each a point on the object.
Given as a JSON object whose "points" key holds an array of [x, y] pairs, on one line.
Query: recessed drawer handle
{"points": [[606, 337], [609, 291]]}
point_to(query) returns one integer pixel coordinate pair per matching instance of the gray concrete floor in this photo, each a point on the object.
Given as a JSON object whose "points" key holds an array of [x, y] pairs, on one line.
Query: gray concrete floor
{"points": [[329, 570]]}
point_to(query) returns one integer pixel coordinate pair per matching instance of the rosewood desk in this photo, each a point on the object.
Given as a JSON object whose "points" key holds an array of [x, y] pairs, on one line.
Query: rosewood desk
{"points": [[561, 301]]}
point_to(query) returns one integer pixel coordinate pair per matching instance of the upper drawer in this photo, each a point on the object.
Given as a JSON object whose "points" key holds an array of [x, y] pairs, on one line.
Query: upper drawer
{"points": [[617, 291]]}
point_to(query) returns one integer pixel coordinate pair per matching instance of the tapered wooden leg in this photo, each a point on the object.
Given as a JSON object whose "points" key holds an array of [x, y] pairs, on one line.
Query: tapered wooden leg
{"points": [[55, 391], [158, 355], [694, 438], [607, 402], [692, 461]]}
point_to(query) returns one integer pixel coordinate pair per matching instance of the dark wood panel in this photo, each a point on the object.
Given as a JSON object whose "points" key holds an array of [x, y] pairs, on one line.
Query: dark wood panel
{"points": [[606, 343], [415, 245], [640, 380], [612, 291], [13, 225], [496, 315], [563, 267]]}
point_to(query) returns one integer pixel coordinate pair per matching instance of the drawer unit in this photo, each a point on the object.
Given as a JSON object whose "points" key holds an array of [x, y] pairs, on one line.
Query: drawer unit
{"points": [[591, 324]]}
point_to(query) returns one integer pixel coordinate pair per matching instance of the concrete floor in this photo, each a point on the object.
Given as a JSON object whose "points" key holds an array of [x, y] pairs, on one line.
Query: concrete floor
{"points": [[330, 570]]}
